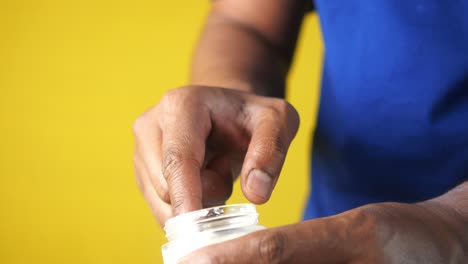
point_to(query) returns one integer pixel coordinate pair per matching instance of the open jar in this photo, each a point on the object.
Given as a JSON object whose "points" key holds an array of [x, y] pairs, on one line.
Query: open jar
{"points": [[188, 232]]}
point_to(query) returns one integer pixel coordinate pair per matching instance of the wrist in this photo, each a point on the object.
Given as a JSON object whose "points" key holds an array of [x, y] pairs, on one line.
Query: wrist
{"points": [[271, 88]]}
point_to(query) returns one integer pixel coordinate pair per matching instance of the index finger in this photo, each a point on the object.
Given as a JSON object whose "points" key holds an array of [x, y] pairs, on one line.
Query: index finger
{"points": [[315, 241], [183, 153]]}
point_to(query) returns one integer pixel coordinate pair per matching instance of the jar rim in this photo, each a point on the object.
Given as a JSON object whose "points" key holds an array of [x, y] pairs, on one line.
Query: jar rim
{"points": [[195, 218]]}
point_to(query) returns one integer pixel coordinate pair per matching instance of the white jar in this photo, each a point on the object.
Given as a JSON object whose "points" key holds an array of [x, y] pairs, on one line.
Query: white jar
{"points": [[191, 231]]}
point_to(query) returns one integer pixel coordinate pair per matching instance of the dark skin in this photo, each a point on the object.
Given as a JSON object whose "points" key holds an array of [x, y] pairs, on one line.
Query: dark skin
{"points": [[231, 121]]}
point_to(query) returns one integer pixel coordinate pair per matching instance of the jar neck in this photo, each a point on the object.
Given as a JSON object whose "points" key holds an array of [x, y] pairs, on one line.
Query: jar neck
{"points": [[212, 219]]}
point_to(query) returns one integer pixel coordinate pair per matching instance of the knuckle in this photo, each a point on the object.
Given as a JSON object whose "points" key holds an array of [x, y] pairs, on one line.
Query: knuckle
{"points": [[279, 146], [281, 106], [171, 163], [146, 122], [171, 99], [284, 106], [271, 114], [271, 146], [371, 226], [272, 247], [293, 116], [173, 159], [288, 112], [174, 96], [290, 109], [182, 101]]}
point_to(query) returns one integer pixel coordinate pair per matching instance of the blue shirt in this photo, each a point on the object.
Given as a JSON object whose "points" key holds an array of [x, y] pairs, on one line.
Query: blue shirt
{"points": [[393, 116]]}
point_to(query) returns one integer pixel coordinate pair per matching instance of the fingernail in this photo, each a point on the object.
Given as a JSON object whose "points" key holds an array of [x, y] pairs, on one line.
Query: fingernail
{"points": [[260, 183]]}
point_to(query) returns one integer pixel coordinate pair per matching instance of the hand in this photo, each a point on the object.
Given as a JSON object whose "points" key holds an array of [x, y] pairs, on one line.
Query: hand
{"points": [[379, 233], [193, 144]]}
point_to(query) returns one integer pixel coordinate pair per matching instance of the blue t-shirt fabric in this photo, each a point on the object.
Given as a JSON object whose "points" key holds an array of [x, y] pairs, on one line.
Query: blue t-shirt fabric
{"points": [[393, 116]]}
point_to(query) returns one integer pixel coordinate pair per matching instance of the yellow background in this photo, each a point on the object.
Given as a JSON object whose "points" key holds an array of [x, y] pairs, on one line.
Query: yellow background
{"points": [[73, 77]]}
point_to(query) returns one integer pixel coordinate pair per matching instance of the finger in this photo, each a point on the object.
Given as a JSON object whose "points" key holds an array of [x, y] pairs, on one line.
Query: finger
{"points": [[183, 152], [149, 155], [268, 246], [272, 132], [315, 241], [160, 209], [148, 150]]}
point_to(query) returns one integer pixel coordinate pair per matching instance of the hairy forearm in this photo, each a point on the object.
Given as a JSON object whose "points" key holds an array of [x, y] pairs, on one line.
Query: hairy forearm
{"points": [[233, 54]]}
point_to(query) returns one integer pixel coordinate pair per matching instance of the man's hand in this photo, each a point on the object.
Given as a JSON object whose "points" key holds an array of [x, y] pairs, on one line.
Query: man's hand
{"points": [[195, 142], [380, 233]]}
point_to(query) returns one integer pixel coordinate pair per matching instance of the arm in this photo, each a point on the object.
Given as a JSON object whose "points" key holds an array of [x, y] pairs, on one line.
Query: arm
{"points": [[248, 45], [434, 231]]}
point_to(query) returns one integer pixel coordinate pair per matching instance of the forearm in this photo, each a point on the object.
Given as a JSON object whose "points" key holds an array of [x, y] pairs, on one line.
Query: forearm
{"points": [[235, 53], [237, 58]]}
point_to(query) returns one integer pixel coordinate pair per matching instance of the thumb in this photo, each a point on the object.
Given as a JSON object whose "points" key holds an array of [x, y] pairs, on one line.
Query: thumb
{"points": [[272, 132]]}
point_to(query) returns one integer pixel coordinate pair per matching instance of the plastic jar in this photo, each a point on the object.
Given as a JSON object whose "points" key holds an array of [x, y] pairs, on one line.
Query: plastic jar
{"points": [[191, 231]]}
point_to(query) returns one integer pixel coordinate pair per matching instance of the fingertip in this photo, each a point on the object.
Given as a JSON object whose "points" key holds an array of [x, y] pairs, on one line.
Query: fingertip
{"points": [[258, 186], [184, 205]]}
